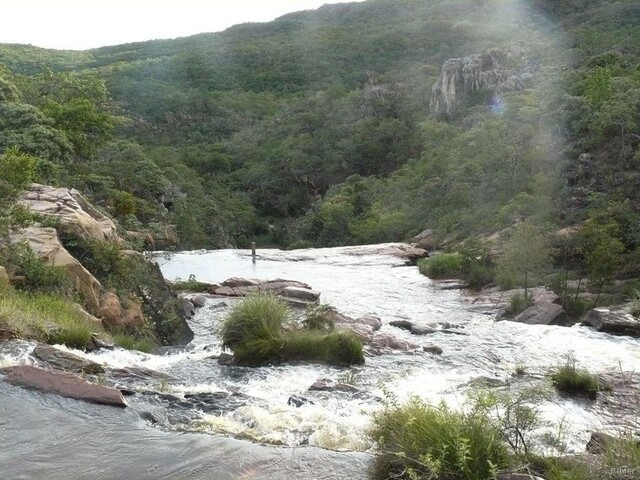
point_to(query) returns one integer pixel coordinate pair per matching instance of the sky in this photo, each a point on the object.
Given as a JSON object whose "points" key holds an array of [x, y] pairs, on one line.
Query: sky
{"points": [[83, 24]]}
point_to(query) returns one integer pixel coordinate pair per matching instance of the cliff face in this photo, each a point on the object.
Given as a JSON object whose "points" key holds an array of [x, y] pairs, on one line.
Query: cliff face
{"points": [[118, 285], [497, 69]]}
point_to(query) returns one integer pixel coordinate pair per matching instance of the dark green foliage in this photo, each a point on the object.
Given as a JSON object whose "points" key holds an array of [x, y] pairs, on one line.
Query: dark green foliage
{"points": [[422, 441], [254, 331]]}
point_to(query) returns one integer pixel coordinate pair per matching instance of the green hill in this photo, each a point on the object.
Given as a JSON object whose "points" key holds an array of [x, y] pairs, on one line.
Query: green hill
{"points": [[314, 129]]}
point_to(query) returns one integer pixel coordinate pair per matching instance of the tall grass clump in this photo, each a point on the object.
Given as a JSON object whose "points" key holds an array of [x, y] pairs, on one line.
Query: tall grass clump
{"points": [[254, 331], [568, 378], [255, 318], [518, 304], [417, 440]]}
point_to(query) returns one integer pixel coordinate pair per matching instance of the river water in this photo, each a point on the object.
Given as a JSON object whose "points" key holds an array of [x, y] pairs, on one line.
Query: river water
{"points": [[255, 433]]}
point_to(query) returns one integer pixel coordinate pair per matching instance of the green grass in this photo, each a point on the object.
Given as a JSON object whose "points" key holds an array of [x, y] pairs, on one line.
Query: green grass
{"points": [[417, 440], [568, 378], [253, 329], [46, 318], [129, 342], [193, 286]]}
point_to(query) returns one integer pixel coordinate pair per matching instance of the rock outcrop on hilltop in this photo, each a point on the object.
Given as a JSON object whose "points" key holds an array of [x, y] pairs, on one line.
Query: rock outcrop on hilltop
{"points": [[498, 69], [78, 236]]}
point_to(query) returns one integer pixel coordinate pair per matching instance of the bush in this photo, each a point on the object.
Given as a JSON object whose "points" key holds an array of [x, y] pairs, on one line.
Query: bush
{"points": [[441, 265], [568, 378], [253, 329], [38, 276], [423, 441]]}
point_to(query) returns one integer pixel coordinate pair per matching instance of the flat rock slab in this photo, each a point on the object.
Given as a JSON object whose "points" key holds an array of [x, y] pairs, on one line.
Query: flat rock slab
{"points": [[62, 383], [542, 314], [617, 322], [328, 385], [67, 361]]}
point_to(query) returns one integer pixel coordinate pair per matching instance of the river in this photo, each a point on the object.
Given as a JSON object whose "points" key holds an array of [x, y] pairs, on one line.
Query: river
{"points": [[254, 432]]}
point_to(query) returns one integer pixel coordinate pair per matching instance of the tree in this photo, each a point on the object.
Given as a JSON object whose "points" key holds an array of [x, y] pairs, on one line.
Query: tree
{"points": [[525, 254], [603, 253]]}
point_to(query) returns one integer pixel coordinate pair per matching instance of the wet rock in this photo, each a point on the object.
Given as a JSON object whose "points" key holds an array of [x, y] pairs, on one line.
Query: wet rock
{"points": [[171, 350], [149, 417], [198, 301], [381, 341], [298, 401], [62, 383], [617, 322], [226, 359], [370, 321], [301, 294], [450, 284], [328, 385], [542, 314], [600, 442], [403, 324], [422, 330], [187, 307], [363, 332], [137, 374], [206, 402], [432, 349], [97, 342], [64, 360]]}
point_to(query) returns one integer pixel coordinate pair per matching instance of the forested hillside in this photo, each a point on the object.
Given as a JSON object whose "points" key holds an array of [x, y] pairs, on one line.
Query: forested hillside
{"points": [[315, 129]]}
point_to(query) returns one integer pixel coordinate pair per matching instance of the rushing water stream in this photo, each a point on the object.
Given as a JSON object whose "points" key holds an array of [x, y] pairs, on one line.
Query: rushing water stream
{"points": [[43, 436]]}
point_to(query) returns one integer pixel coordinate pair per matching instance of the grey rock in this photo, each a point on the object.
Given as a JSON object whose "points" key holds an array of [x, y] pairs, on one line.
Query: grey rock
{"points": [[328, 385], [542, 314], [432, 349], [618, 322], [403, 324], [298, 401], [67, 361]]}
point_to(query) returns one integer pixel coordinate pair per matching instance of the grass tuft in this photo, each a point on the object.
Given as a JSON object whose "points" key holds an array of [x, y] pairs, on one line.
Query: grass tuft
{"points": [[254, 331], [568, 378]]}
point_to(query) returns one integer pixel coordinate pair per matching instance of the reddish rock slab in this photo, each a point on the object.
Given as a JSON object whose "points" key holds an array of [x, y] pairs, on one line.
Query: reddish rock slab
{"points": [[62, 383]]}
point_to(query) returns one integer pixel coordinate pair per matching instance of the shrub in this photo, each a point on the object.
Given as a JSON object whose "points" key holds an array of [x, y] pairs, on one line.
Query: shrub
{"points": [[635, 304], [253, 329], [441, 265], [38, 276], [423, 441], [569, 378]]}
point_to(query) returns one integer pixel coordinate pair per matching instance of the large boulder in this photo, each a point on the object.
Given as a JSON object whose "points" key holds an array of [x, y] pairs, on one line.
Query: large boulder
{"points": [[62, 383], [64, 360], [542, 314], [497, 69], [45, 243], [72, 210], [615, 321], [110, 310]]}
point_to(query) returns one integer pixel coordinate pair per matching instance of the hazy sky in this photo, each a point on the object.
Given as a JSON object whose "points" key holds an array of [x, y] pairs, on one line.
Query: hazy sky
{"points": [[81, 24]]}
